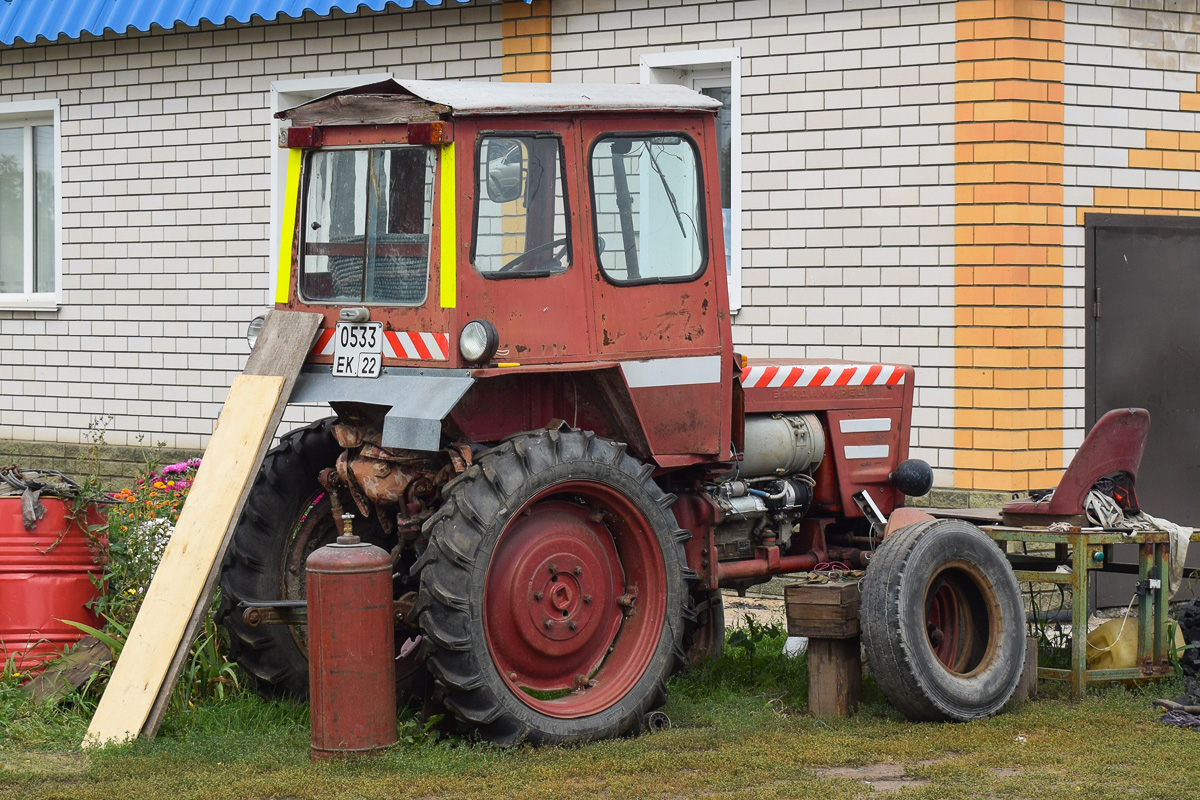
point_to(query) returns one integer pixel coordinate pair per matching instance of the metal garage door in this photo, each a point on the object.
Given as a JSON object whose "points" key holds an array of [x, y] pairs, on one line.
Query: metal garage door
{"points": [[1143, 350]]}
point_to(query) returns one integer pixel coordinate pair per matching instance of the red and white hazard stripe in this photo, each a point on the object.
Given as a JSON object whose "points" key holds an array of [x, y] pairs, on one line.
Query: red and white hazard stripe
{"points": [[763, 377], [414, 346], [420, 346]]}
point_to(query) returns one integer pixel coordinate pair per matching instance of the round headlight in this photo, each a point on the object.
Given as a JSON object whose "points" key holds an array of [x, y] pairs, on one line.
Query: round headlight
{"points": [[254, 329], [478, 341]]}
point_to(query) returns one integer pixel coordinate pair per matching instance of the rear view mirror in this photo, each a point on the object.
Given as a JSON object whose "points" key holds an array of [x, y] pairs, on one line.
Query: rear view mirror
{"points": [[504, 163]]}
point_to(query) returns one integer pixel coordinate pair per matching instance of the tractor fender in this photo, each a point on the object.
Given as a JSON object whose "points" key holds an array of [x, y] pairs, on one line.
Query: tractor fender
{"points": [[417, 399], [903, 517]]}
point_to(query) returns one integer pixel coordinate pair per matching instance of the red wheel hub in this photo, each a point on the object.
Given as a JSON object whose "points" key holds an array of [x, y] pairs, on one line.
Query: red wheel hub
{"points": [[574, 599], [942, 624], [960, 620]]}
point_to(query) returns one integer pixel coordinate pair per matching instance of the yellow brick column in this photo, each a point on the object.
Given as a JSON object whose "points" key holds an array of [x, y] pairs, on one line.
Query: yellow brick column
{"points": [[1008, 236], [526, 41]]}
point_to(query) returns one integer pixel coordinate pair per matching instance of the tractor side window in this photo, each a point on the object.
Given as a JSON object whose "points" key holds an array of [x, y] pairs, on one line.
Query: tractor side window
{"points": [[367, 221], [647, 201], [521, 224]]}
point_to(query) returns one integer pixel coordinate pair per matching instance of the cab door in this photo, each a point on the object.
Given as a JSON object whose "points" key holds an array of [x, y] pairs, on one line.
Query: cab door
{"points": [[518, 267], [656, 262]]}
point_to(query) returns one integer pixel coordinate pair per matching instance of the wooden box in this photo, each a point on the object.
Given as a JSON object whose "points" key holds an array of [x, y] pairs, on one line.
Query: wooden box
{"points": [[822, 610]]}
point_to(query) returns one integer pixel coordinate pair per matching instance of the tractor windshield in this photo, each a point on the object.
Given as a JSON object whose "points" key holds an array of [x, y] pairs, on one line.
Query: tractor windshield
{"points": [[367, 221]]}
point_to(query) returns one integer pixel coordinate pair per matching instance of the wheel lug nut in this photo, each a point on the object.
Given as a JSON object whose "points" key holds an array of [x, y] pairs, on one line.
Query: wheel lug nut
{"points": [[578, 570], [573, 625], [587, 599], [553, 569], [537, 595], [549, 624]]}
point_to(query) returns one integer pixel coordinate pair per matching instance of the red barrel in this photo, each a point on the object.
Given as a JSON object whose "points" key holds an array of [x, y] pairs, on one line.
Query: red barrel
{"points": [[351, 670], [45, 578]]}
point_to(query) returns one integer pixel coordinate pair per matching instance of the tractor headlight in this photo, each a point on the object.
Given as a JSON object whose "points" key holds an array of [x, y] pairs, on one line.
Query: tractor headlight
{"points": [[478, 341], [254, 329]]}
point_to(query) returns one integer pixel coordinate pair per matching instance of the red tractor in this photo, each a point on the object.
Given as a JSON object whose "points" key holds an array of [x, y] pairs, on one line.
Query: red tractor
{"points": [[540, 414]]}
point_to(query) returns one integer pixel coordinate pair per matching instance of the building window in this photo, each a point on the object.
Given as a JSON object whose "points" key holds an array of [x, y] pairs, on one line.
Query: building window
{"points": [[716, 73], [29, 205]]}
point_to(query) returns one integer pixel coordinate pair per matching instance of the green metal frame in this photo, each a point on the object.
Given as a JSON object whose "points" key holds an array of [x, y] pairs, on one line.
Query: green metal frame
{"points": [[1087, 553]]}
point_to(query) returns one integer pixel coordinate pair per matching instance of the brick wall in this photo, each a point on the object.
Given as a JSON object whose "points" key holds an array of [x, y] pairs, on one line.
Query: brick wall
{"points": [[856, 209], [166, 161], [1132, 140], [848, 169]]}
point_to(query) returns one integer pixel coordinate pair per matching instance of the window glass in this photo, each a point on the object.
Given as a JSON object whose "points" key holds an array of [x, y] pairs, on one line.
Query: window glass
{"points": [[12, 210], [43, 226], [647, 202], [368, 218], [521, 217]]}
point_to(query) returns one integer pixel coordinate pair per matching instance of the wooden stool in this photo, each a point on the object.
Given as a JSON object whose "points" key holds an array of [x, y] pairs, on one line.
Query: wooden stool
{"points": [[827, 613]]}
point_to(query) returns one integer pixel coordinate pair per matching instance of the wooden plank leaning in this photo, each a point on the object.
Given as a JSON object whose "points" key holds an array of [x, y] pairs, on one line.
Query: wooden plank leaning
{"points": [[179, 596]]}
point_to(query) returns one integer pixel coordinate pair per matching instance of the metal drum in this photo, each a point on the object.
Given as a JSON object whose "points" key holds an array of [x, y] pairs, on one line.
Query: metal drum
{"points": [[45, 577]]}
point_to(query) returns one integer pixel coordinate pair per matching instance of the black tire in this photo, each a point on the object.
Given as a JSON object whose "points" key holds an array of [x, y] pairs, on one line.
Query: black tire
{"points": [[586, 497], [265, 559], [944, 573]]}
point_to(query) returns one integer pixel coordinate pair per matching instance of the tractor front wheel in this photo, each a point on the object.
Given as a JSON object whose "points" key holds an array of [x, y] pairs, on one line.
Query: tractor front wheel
{"points": [[553, 591], [288, 516]]}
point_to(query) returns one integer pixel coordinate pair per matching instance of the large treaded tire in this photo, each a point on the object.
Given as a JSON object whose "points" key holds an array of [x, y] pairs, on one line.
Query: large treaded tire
{"points": [[945, 573], [254, 566], [589, 498]]}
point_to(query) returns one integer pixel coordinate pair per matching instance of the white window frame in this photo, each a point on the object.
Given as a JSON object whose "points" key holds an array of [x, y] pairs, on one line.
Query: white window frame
{"points": [[289, 94], [698, 69], [30, 113]]}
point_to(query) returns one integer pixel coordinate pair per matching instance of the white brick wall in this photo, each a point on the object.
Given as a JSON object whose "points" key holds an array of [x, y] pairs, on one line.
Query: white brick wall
{"points": [[1125, 69], [848, 154], [166, 180], [847, 113]]}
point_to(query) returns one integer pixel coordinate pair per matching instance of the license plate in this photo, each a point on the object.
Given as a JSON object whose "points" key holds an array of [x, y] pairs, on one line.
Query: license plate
{"points": [[358, 350]]}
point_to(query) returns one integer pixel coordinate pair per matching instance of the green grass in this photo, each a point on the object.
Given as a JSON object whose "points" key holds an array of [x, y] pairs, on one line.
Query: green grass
{"points": [[731, 737]]}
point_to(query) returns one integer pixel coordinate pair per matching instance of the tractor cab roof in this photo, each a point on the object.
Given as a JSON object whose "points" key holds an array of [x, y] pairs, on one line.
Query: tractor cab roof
{"points": [[401, 101]]}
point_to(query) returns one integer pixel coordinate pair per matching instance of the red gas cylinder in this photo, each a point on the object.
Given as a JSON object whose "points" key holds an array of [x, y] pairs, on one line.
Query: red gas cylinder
{"points": [[351, 669], [45, 577]]}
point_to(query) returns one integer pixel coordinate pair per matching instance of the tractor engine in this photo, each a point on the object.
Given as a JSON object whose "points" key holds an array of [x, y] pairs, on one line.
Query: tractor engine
{"points": [[771, 489]]}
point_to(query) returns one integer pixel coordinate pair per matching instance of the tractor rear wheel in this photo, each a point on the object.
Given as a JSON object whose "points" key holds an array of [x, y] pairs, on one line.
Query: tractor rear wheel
{"points": [[943, 623], [554, 591], [287, 517]]}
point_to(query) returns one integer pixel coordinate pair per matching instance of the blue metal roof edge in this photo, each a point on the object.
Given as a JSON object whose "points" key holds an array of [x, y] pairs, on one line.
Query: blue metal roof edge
{"points": [[29, 20]]}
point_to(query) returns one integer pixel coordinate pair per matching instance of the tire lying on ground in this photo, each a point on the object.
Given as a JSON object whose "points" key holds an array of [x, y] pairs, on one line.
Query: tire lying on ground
{"points": [[554, 591], [943, 623]]}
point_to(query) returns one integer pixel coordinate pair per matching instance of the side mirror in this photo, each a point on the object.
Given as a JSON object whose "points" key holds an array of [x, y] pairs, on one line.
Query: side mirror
{"points": [[504, 170]]}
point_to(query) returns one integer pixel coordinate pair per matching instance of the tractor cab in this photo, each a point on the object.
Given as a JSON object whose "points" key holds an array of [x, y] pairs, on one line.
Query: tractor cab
{"points": [[553, 245]]}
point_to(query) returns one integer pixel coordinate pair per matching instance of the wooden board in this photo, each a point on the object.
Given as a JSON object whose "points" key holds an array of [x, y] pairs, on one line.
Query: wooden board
{"points": [[182, 589], [64, 675], [282, 346]]}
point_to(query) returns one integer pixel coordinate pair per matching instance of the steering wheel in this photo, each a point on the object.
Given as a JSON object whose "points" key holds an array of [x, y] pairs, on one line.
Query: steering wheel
{"points": [[514, 263]]}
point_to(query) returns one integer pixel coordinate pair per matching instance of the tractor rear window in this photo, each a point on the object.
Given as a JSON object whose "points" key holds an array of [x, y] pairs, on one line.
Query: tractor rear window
{"points": [[367, 220], [647, 201], [521, 211]]}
